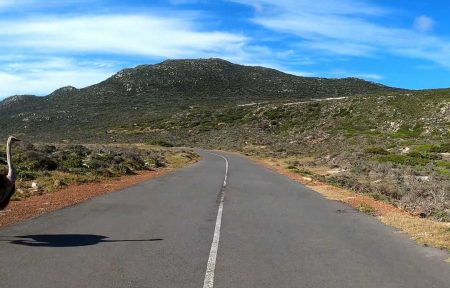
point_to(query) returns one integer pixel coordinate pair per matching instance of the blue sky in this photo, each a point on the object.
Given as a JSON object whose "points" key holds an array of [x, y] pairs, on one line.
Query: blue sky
{"points": [[45, 45]]}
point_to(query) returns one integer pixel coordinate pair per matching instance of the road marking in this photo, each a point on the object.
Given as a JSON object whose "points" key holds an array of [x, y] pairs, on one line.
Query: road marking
{"points": [[211, 266]]}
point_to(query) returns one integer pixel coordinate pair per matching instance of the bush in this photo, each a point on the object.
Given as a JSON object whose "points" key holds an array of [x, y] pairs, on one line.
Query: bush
{"points": [[424, 155], [443, 148], [26, 175], [48, 149], [163, 143], [408, 132], [79, 150], [441, 215], [377, 151], [72, 162], [34, 160], [403, 160], [366, 208], [347, 181]]}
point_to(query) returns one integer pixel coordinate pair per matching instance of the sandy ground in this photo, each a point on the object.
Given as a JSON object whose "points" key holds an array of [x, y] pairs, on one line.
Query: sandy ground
{"points": [[37, 205]]}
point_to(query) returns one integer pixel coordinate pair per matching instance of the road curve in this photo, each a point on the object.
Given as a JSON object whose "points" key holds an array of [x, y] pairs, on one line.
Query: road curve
{"points": [[273, 232]]}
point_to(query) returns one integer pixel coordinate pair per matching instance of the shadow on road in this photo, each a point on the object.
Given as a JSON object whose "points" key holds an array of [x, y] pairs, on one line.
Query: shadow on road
{"points": [[67, 240]]}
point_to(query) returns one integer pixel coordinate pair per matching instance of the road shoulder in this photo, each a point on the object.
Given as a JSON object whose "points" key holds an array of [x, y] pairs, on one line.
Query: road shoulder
{"points": [[424, 231]]}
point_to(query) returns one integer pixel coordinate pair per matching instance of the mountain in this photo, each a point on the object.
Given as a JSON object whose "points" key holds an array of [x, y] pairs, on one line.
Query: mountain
{"points": [[391, 143], [151, 94]]}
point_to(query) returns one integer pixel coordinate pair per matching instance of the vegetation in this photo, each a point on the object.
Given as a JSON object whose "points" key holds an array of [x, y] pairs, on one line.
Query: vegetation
{"points": [[392, 144], [47, 168], [147, 96]]}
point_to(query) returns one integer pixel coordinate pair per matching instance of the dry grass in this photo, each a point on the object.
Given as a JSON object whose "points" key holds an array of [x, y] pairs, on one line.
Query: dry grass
{"points": [[424, 231], [181, 159], [177, 157], [90, 163]]}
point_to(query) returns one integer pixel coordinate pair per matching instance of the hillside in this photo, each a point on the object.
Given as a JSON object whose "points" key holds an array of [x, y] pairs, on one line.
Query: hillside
{"points": [[152, 93], [393, 144]]}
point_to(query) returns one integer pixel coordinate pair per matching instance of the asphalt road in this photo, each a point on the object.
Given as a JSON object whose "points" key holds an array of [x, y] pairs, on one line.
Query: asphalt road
{"points": [[273, 232]]}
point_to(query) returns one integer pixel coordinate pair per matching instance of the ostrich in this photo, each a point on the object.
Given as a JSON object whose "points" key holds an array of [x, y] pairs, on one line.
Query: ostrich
{"points": [[8, 181]]}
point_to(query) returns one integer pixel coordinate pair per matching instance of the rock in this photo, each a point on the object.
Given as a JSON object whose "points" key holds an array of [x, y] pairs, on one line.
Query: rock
{"points": [[405, 150], [34, 186]]}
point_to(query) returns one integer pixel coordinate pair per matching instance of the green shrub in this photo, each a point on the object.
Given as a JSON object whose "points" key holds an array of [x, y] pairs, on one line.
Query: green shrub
{"points": [[26, 174], [163, 143], [408, 132], [72, 162], [366, 208], [35, 160], [402, 160], [376, 151], [424, 155], [443, 148], [441, 215], [79, 150], [425, 148], [443, 164]]}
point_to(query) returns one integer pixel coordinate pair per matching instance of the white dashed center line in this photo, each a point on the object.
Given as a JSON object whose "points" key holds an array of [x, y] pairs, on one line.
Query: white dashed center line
{"points": [[211, 266]]}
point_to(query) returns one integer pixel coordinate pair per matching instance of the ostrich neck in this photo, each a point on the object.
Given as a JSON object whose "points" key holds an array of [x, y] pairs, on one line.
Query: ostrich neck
{"points": [[11, 169]]}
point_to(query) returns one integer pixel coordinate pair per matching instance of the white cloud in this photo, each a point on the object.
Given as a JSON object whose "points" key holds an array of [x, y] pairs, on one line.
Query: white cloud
{"points": [[342, 73], [27, 5], [7, 3], [369, 76], [345, 27], [280, 68], [325, 7], [116, 34], [423, 23], [45, 75], [56, 42]]}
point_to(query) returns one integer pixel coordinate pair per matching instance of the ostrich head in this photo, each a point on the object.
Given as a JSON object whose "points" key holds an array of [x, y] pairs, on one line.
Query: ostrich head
{"points": [[13, 139]]}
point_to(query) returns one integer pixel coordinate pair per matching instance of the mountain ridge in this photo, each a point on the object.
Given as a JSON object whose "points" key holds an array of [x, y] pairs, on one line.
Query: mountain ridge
{"points": [[149, 93], [169, 64]]}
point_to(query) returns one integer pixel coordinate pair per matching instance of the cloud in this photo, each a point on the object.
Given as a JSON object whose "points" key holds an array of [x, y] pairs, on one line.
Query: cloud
{"points": [[27, 5], [350, 28], [423, 23], [41, 76], [38, 55], [7, 3], [325, 7], [342, 73], [116, 34], [369, 76], [280, 67]]}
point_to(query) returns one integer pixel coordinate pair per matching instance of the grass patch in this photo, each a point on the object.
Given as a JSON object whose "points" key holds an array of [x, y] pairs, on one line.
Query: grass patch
{"points": [[376, 151], [408, 132], [366, 208], [442, 148], [402, 160], [424, 231], [443, 164], [425, 147]]}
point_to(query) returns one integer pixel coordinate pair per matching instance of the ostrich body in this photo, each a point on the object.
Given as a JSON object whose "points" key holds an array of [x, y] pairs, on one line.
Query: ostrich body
{"points": [[8, 181]]}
